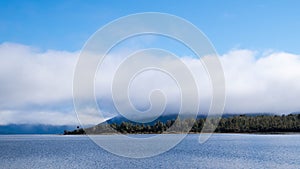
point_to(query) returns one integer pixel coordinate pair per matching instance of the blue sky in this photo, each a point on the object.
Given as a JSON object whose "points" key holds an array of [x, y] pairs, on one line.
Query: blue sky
{"points": [[66, 25], [258, 42]]}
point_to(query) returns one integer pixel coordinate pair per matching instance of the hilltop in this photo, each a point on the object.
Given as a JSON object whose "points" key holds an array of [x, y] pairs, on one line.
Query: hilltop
{"points": [[228, 124]]}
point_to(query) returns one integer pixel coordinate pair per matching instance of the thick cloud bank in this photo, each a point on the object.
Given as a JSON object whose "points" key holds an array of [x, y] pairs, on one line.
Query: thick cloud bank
{"points": [[36, 86]]}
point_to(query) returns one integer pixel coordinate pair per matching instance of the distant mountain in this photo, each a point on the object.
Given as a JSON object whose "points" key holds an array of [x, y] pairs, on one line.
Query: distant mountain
{"points": [[164, 118], [254, 123], [52, 129], [119, 119], [34, 129], [248, 114]]}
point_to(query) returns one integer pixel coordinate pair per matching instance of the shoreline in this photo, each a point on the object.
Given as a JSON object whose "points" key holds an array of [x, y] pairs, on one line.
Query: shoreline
{"points": [[255, 133], [191, 133]]}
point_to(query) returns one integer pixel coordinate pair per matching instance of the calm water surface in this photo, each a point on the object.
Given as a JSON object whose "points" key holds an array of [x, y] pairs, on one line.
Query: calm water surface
{"points": [[220, 151]]}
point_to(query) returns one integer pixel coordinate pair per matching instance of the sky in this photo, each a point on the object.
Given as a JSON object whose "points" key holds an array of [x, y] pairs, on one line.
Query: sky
{"points": [[66, 25], [40, 41]]}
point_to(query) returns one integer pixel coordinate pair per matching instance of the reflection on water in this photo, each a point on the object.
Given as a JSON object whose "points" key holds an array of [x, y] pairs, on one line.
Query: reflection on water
{"points": [[220, 151]]}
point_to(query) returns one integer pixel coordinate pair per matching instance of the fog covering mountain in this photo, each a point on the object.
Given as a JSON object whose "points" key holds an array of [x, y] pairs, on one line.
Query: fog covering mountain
{"points": [[59, 129], [119, 119], [33, 129]]}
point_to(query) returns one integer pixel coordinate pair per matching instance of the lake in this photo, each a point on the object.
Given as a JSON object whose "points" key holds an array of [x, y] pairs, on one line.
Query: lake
{"points": [[220, 151]]}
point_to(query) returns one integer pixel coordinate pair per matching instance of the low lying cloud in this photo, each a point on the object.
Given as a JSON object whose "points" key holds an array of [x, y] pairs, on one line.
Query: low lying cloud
{"points": [[262, 83], [37, 117], [36, 86], [255, 83], [30, 76]]}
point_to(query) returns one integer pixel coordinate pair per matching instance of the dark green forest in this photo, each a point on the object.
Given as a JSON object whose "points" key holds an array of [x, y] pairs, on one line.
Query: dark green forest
{"points": [[234, 124]]}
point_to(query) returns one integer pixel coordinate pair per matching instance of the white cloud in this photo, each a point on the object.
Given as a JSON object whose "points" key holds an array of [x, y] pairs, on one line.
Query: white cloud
{"points": [[38, 117], [269, 83], [36, 85], [29, 76]]}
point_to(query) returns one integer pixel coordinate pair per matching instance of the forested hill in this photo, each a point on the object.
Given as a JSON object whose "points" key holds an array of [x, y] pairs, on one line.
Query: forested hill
{"points": [[233, 124]]}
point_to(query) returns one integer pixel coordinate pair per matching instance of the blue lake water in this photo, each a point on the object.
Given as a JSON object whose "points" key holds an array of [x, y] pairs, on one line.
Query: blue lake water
{"points": [[220, 151]]}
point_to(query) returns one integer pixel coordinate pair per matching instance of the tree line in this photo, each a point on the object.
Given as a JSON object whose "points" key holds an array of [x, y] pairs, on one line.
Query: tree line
{"points": [[234, 124]]}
